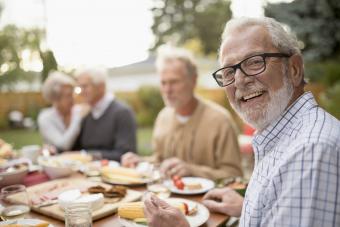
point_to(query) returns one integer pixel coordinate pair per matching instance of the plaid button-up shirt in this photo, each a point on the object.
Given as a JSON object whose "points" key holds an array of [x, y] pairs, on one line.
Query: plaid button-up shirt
{"points": [[297, 166]]}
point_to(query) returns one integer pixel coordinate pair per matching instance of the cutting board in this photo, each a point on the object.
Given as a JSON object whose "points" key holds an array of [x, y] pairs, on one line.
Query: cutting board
{"points": [[55, 211]]}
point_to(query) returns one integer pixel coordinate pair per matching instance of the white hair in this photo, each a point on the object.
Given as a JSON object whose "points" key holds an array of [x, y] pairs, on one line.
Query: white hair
{"points": [[97, 75], [52, 85], [167, 53], [282, 39], [285, 41]]}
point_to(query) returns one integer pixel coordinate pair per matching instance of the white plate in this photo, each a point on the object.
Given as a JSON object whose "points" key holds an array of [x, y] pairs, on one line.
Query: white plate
{"points": [[206, 186], [198, 219], [24, 222]]}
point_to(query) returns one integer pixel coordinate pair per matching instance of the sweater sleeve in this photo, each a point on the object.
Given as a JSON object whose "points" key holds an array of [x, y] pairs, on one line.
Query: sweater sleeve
{"points": [[50, 132], [124, 137], [226, 153]]}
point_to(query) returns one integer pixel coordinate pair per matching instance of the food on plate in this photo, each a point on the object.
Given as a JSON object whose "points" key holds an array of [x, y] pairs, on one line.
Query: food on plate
{"points": [[181, 185], [177, 181], [6, 150], [122, 171], [96, 201], [122, 175], [77, 156], [239, 187], [238, 184], [134, 210], [96, 189], [113, 192], [193, 186], [42, 224], [13, 174]]}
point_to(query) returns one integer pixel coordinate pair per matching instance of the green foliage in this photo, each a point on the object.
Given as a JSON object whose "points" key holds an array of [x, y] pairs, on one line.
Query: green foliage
{"points": [[150, 103], [330, 100], [178, 21], [316, 23], [14, 42], [326, 72], [49, 63]]}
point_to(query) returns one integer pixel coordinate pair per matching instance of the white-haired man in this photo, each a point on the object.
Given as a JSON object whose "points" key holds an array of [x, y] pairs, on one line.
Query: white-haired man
{"points": [[110, 128], [180, 137], [297, 147]]}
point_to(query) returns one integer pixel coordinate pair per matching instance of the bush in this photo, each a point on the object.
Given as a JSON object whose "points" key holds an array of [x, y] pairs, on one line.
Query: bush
{"points": [[150, 103], [327, 72], [330, 100]]}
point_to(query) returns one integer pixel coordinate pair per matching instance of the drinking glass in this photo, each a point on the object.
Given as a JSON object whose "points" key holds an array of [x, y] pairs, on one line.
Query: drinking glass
{"points": [[78, 215], [16, 202], [156, 184]]}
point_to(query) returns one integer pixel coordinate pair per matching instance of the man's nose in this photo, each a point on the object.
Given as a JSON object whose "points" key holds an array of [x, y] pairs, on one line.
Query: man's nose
{"points": [[241, 79], [167, 88]]}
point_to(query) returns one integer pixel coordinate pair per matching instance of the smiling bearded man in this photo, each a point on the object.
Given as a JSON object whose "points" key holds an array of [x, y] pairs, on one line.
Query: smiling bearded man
{"points": [[263, 113], [296, 179]]}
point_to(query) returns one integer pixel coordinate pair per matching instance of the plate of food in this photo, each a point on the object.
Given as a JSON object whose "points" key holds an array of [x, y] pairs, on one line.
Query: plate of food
{"points": [[132, 215], [25, 223], [124, 176], [189, 185]]}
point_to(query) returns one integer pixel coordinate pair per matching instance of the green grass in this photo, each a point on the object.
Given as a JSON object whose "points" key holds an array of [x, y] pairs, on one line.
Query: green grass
{"points": [[21, 137]]}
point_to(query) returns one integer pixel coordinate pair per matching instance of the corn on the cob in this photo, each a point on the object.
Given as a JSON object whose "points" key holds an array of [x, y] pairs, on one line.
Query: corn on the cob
{"points": [[134, 210], [123, 179], [131, 210], [121, 171]]}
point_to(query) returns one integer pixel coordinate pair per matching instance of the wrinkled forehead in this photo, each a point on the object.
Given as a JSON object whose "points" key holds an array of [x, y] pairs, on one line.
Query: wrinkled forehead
{"points": [[243, 42]]}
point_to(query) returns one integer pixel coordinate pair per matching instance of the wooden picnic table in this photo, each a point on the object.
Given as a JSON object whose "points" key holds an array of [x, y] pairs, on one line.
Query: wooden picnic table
{"points": [[214, 220]]}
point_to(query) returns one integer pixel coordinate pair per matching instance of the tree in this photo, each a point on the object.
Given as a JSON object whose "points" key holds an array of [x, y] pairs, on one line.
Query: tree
{"points": [[14, 43], [316, 23], [49, 63], [181, 21]]}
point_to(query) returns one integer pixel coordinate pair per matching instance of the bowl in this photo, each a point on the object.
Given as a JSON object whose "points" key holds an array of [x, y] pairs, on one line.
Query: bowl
{"points": [[15, 175], [54, 172], [55, 167]]}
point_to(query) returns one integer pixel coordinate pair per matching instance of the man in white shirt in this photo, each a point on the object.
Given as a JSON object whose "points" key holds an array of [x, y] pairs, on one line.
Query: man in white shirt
{"points": [[110, 128], [297, 147]]}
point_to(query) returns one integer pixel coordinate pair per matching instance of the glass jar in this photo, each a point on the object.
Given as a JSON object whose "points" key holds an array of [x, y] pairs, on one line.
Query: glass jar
{"points": [[78, 215], [16, 202]]}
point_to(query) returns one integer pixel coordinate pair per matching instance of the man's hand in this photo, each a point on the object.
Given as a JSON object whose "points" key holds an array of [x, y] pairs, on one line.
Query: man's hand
{"points": [[224, 200], [174, 166], [161, 214], [130, 160]]}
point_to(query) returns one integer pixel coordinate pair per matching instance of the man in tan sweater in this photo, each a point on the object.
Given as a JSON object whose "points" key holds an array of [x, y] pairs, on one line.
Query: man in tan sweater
{"points": [[191, 136]]}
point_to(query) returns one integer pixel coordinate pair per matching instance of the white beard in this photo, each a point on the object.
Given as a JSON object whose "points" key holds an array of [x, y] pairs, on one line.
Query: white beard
{"points": [[267, 112]]}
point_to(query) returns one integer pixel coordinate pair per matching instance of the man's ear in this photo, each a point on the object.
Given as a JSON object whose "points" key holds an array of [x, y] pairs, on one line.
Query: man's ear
{"points": [[296, 69]]}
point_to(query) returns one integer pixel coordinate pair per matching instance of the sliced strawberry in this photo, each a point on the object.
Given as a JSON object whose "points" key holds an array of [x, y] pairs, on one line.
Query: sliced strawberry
{"points": [[104, 162], [186, 209]]}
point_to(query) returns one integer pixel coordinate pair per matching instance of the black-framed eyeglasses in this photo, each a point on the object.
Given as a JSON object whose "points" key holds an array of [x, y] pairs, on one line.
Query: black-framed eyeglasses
{"points": [[250, 66]]}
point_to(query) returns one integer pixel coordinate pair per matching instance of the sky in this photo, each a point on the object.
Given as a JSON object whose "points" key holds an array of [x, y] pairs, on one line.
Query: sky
{"points": [[109, 33]]}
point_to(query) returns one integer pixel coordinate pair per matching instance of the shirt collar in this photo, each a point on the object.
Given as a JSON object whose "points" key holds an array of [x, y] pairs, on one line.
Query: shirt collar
{"points": [[100, 107], [268, 138]]}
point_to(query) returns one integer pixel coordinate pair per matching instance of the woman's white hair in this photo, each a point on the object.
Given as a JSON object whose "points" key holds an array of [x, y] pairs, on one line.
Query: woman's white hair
{"points": [[52, 85], [285, 41], [97, 75], [168, 53]]}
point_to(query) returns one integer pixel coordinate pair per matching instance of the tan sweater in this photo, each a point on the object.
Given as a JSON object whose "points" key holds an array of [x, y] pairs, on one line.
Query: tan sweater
{"points": [[207, 141]]}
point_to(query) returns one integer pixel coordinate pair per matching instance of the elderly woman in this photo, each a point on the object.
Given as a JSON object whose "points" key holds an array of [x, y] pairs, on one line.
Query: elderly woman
{"points": [[60, 124]]}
